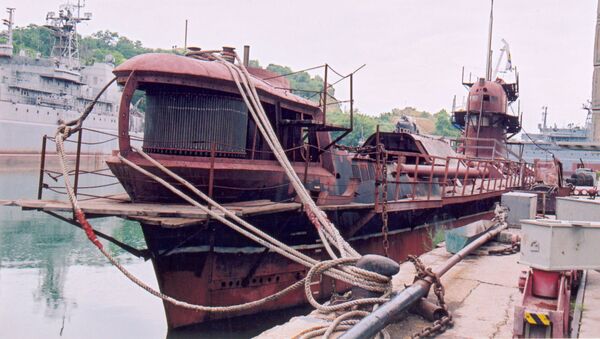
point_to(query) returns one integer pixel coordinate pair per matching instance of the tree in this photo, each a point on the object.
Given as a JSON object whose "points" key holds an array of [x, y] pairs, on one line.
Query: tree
{"points": [[33, 39], [302, 83], [443, 125]]}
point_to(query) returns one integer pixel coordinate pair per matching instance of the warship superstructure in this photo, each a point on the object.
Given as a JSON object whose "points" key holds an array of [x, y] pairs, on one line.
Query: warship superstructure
{"points": [[37, 92], [573, 144]]}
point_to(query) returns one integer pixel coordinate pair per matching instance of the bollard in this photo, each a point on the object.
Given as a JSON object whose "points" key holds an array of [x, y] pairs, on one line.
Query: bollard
{"points": [[370, 325], [378, 264]]}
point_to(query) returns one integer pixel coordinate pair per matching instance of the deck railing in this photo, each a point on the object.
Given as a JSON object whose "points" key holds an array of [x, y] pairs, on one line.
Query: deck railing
{"points": [[428, 177], [436, 178]]}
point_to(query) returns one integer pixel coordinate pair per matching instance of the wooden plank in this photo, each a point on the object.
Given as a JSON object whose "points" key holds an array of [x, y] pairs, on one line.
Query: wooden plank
{"points": [[7, 203], [99, 207], [167, 222], [270, 208]]}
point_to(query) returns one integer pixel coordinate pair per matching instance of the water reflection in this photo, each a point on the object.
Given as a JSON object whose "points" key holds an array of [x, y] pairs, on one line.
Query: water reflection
{"points": [[38, 253], [54, 283]]}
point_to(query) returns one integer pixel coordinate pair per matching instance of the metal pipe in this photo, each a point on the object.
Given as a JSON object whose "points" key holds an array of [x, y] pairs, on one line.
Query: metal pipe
{"points": [[325, 96], [140, 253], [246, 55], [441, 270], [42, 165], [370, 325], [430, 184], [351, 104], [211, 172], [429, 310], [445, 181], [464, 182], [488, 65], [185, 37], [377, 167]]}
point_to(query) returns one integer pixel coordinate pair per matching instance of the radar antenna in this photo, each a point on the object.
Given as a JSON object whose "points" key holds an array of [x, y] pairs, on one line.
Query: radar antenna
{"points": [[64, 27]]}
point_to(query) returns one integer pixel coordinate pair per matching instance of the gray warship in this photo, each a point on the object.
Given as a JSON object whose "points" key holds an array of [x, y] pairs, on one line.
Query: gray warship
{"points": [[37, 92], [573, 144]]}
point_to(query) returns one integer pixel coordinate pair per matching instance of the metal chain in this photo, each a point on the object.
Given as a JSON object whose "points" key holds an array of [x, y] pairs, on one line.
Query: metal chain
{"points": [[443, 323], [357, 149], [384, 198], [507, 250]]}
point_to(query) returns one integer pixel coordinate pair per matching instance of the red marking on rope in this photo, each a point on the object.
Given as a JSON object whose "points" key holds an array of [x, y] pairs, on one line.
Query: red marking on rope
{"points": [[89, 231], [313, 218]]}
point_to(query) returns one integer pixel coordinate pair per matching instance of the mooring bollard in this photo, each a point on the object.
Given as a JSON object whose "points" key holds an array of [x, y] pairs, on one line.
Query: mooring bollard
{"points": [[378, 264]]}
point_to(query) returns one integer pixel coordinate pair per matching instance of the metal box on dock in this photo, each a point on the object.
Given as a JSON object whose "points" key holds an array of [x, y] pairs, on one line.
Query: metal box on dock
{"points": [[556, 245], [521, 206], [581, 209]]}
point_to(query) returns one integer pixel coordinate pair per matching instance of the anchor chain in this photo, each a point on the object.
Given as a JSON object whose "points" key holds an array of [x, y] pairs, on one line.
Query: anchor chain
{"points": [[507, 250], [356, 149], [384, 198], [442, 324]]}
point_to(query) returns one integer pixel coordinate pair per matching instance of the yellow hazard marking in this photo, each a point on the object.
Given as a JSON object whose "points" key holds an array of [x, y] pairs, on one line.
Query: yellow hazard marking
{"points": [[537, 318], [530, 319], [544, 319]]}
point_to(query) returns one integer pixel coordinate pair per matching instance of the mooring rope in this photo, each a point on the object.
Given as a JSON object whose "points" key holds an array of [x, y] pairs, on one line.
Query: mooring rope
{"points": [[327, 231], [337, 268], [81, 219], [362, 278]]}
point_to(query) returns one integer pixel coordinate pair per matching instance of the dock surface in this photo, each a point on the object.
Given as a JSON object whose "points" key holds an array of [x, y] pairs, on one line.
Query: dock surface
{"points": [[481, 292]]}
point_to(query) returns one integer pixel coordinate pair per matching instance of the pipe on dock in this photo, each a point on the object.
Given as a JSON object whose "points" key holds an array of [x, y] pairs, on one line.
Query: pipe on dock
{"points": [[370, 325], [429, 310]]}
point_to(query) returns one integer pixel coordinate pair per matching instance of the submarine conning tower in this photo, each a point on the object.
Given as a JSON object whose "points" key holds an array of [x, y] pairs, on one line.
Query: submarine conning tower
{"points": [[485, 121]]}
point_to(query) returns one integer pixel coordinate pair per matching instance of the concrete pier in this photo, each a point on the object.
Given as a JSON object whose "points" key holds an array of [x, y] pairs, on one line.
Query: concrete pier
{"points": [[481, 293]]}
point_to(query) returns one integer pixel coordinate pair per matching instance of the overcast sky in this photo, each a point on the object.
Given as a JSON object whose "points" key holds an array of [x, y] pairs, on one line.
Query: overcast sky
{"points": [[414, 49]]}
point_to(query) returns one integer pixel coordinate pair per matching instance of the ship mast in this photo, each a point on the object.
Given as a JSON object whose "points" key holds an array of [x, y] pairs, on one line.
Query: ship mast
{"points": [[488, 66], [544, 116], [6, 49], [595, 106], [64, 28]]}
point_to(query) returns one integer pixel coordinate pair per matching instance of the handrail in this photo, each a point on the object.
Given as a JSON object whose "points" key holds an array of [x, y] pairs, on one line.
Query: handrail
{"points": [[432, 177], [482, 175]]}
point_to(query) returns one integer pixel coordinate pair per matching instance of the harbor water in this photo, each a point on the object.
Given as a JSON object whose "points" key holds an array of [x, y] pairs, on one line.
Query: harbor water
{"points": [[55, 284]]}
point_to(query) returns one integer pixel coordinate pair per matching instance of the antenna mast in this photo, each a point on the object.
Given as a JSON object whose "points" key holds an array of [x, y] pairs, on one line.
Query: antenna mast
{"points": [[185, 38], [488, 67], [64, 28], [544, 116], [7, 48]]}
